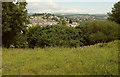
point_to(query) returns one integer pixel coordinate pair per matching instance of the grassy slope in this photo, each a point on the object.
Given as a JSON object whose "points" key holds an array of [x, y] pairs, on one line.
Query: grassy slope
{"points": [[99, 59], [0, 61]]}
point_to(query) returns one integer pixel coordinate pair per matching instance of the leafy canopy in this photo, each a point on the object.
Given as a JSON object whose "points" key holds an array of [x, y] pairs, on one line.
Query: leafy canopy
{"points": [[14, 20], [115, 14]]}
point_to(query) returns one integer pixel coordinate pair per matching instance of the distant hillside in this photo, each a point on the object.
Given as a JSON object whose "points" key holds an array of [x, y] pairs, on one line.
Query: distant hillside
{"points": [[30, 13], [85, 16], [74, 16]]}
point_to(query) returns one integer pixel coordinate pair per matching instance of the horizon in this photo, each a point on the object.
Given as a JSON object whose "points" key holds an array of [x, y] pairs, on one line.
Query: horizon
{"points": [[69, 13]]}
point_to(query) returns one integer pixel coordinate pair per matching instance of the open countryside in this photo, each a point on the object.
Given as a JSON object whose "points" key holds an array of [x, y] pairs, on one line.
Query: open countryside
{"points": [[60, 39], [100, 59]]}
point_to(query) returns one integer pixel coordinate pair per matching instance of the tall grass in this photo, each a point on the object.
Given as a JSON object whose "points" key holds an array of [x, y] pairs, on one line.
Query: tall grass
{"points": [[99, 59], [0, 61]]}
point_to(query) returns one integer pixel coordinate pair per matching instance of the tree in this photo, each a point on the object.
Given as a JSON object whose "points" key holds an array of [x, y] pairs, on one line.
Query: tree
{"points": [[0, 25], [54, 35], [14, 20], [64, 22], [70, 21], [115, 14], [97, 31]]}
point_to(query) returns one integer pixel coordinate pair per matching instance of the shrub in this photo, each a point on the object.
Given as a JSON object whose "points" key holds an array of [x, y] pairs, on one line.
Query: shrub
{"points": [[99, 31], [20, 41], [55, 35]]}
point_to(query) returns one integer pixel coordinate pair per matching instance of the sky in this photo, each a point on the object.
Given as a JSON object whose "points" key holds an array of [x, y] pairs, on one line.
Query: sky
{"points": [[71, 6]]}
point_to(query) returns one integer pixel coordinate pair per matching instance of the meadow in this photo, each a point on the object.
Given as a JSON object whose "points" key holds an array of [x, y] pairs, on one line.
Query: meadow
{"points": [[99, 59]]}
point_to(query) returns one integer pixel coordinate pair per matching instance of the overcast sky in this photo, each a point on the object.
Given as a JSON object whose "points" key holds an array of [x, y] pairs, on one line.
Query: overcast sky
{"points": [[71, 6]]}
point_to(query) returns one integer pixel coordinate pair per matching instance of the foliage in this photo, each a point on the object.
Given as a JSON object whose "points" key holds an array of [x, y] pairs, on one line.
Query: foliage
{"points": [[55, 35], [37, 14], [20, 41], [99, 31], [14, 20], [115, 14], [64, 22], [88, 60]]}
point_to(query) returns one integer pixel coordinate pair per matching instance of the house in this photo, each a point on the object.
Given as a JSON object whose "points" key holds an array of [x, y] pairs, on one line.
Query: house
{"points": [[74, 24]]}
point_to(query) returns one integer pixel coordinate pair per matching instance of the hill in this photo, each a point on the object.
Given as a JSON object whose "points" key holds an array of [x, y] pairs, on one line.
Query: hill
{"points": [[99, 59], [85, 16]]}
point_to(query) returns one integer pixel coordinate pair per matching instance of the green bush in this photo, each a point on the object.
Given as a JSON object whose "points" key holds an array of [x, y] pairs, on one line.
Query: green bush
{"points": [[99, 31], [55, 35], [20, 41]]}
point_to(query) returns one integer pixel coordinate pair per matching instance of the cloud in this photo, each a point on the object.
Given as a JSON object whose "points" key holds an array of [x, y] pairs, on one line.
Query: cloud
{"points": [[42, 4], [74, 0], [34, 0], [72, 10], [52, 4], [52, 7]]}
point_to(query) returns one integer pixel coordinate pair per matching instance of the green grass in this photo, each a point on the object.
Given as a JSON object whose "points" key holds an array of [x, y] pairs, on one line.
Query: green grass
{"points": [[0, 61], [99, 59]]}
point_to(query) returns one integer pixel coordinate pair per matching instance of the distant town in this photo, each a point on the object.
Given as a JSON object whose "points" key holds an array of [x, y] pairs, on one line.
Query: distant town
{"points": [[72, 20]]}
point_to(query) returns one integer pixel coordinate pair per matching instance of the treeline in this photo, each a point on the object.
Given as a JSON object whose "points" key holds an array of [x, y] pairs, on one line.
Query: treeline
{"points": [[99, 31], [87, 33]]}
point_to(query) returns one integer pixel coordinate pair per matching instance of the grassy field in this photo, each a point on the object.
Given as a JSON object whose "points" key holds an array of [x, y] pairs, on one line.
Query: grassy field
{"points": [[99, 59]]}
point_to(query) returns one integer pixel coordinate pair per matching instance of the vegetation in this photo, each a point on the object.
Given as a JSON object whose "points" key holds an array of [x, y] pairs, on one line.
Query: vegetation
{"points": [[55, 35], [20, 41], [14, 20], [115, 14], [58, 49], [99, 31], [88, 33], [99, 59]]}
